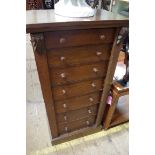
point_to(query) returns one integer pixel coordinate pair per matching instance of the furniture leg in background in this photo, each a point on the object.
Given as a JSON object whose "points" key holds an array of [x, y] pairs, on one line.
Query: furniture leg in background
{"points": [[117, 114]]}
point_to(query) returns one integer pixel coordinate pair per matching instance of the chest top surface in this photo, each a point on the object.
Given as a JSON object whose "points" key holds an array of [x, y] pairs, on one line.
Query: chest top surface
{"points": [[47, 20]]}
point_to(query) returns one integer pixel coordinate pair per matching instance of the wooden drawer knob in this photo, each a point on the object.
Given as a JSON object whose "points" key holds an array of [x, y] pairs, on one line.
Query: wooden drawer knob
{"points": [[62, 40], [63, 91], [102, 36], [66, 129], [91, 99], [65, 118], [87, 122], [89, 111], [64, 105], [63, 75], [95, 70], [93, 85], [62, 58], [98, 53]]}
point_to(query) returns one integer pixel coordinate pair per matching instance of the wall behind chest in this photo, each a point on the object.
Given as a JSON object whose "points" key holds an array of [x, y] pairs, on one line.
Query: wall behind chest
{"points": [[39, 4]]}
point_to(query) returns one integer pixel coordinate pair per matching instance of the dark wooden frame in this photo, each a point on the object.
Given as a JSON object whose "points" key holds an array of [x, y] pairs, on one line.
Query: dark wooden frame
{"points": [[37, 37]]}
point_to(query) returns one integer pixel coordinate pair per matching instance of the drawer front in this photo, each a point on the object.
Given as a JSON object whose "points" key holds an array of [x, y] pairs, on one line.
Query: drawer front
{"points": [[77, 89], [57, 39], [77, 114], [76, 74], [69, 127], [77, 103], [72, 56]]}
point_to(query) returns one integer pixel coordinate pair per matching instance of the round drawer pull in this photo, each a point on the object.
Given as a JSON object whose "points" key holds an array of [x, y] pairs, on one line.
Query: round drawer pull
{"points": [[62, 58], [118, 41], [63, 75], [65, 118], [102, 36], [62, 40], [98, 53], [64, 91], [119, 37], [89, 111], [91, 99], [95, 70], [93, 85], [64, 105], [87, 122], [66, 129]]}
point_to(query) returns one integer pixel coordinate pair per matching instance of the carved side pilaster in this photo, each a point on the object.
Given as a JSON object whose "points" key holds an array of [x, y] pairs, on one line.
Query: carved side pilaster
{"points": [[37, 41], [122, 34]]}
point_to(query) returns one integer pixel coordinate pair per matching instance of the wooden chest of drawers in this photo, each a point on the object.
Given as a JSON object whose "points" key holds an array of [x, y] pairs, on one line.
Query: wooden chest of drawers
{"points": [[76, 60]]}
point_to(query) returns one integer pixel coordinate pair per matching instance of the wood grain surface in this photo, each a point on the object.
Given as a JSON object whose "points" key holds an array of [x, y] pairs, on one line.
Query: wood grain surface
{"points": [[80, 55], [77, 89], [77, 103], [47, 20], [69, 38], [78, 74]]}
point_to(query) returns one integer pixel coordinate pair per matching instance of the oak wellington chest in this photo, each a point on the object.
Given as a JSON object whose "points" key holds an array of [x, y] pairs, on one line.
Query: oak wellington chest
{"points": [[76, 60]]}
